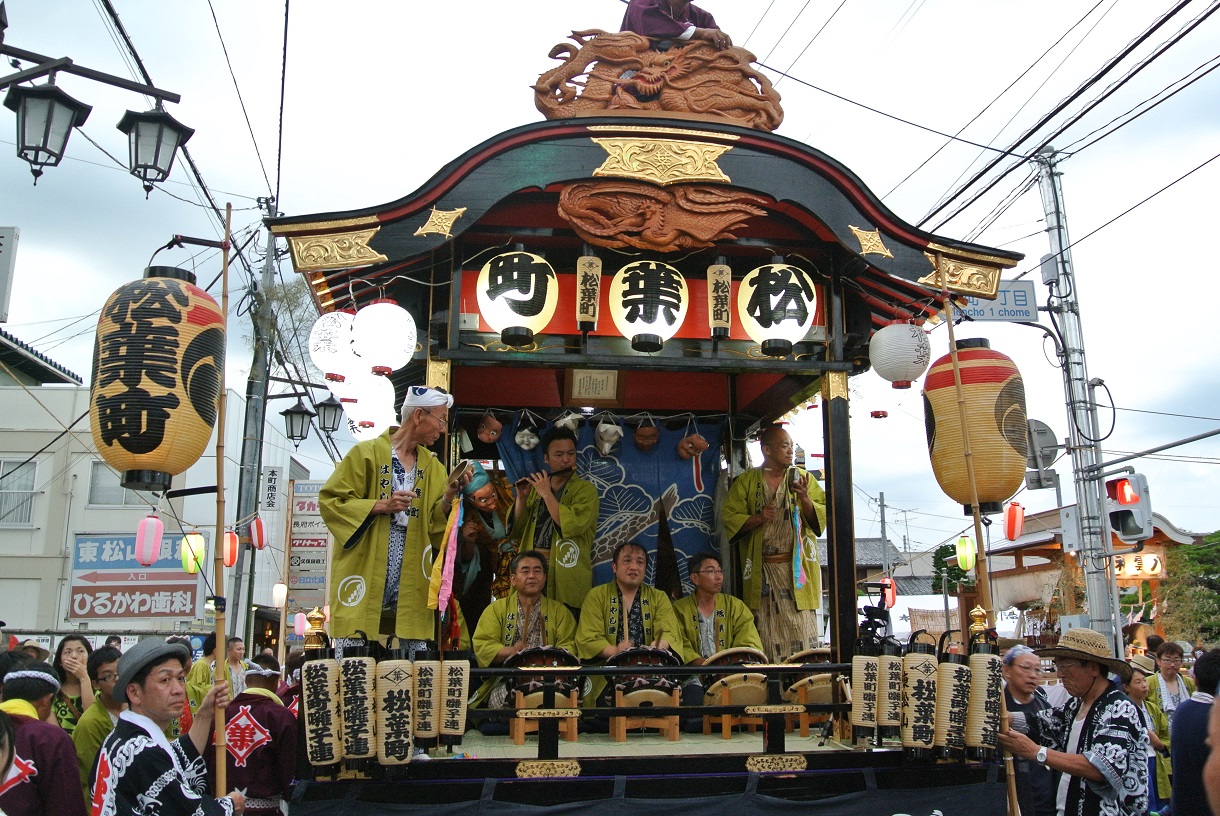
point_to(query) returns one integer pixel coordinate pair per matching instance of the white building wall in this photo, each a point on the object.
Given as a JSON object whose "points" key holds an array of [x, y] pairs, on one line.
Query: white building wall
{"points": [[35, 556]]}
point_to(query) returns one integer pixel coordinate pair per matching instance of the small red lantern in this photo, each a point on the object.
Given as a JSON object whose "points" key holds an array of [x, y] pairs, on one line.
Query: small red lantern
{"points": [[231, 544], [258, 534], [148, 540], [889, 592], [1014, 521]]}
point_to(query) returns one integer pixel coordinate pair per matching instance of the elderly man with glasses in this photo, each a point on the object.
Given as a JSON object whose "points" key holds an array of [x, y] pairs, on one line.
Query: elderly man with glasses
{"points": [[1024, 697], [1096, 740], [387, 504]]}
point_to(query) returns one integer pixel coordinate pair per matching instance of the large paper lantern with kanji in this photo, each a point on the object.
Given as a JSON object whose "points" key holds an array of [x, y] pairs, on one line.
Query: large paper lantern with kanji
{"points": [[995, 420], [517, 293], [648, 302], [777, 303], [157, 366]]}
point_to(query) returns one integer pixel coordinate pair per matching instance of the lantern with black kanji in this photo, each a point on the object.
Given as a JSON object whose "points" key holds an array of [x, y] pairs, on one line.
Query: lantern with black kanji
{"points": [[777, 304], [517, 293], [156, 377], [900, 353], [995, 415], [648, 301]]}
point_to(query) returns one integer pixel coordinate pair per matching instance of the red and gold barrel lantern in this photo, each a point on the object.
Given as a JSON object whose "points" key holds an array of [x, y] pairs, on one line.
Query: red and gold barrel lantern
{"points": [[156, 377], [995, 418]]}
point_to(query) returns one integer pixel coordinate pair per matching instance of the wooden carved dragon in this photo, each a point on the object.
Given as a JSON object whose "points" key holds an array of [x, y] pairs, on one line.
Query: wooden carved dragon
{"points": [[623, 73]]}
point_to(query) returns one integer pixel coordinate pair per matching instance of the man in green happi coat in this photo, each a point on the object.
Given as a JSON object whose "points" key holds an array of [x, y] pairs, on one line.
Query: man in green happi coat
{"points": [[386, 504], [626, 614]]}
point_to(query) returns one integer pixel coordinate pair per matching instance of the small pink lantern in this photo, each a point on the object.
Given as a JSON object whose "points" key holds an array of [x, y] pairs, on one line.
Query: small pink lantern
{"points": [[231, 544], [299, 624], [1014, 521], [148, 540], [258, 534]]}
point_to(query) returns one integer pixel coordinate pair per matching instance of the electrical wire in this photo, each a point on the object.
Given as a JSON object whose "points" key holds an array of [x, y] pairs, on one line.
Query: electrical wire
{"points": [[241, 101], [814, 37], [756, 25], [279, 146], [787, 30], [1045, 119]]}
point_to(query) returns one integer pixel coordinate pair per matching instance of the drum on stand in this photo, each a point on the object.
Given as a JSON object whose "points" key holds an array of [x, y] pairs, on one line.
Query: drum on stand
{"points": [[816, 687], [531, 685], [642, 689], [743, 689]]}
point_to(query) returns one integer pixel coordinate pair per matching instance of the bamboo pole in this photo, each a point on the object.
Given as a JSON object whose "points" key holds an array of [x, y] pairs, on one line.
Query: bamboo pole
{"points": [[982, 578], [222, 654], [1010, 776], [291, 505]]}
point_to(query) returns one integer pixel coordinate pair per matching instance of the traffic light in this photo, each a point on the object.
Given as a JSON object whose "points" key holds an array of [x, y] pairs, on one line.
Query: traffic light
{"points": [[1130, 507]]}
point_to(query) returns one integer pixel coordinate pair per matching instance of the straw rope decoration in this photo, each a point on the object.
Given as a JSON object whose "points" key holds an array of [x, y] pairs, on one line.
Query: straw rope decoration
{"points": [[453, 710], [358, 690], [395, 690], [919, 703], [952, 700], [889, 695], [320, 706], [983, 715], [427, 698], [864, 672]]}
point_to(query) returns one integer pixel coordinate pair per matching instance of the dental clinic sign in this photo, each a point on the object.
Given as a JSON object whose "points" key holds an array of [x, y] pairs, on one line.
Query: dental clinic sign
{"points": [[108, 583]]}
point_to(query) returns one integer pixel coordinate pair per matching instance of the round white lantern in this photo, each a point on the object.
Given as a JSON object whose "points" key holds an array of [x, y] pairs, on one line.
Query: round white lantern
{"points": [[383, 335], [369, 399], [900, 353], [330, 344], [518, 292], [777, 303], [279, 594], [648, 301]]}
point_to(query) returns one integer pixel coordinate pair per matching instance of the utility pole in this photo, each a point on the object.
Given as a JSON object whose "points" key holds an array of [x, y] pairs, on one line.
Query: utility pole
{"points": [[251, 461], [1094, 529], [885, 546]]}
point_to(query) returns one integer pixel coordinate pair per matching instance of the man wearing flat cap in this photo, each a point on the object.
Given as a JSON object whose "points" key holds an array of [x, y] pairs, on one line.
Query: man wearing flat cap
{"points": [[1096, 740], [139, 771], [40, 780], [387, 504]]}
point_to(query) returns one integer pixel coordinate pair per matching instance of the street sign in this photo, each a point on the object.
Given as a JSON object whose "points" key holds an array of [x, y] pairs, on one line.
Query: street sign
{"points": [[308, 527], [304, 561], [305, 498], [109, 583], [272, 487], [1043, 445], [1016, 301]]}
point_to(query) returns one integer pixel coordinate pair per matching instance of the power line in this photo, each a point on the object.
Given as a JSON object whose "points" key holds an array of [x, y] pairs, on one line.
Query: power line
{"points": [[241, 101], [279, 147], [787, 30], [756, 25], [814, 37], [1046, 118]]}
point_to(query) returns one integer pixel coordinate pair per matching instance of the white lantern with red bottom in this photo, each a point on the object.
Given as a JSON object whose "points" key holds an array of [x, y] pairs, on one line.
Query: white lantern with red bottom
{"points": [[258, 534], [231, 545], [900, 353], [383, 335], [1014, 521]]}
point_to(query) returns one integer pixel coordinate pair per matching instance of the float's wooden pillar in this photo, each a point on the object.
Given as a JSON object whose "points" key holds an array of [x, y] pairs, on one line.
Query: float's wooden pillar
{"points": [[840, 522]]}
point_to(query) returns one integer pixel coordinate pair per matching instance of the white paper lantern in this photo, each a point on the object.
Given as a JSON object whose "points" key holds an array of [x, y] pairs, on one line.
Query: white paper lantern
{"points": [[330, 345], [383, 335], [777, 303], [900, 353], [299, 624], [279, 594], [369, 398], [648, 302], [517, 292], [258, 533]]}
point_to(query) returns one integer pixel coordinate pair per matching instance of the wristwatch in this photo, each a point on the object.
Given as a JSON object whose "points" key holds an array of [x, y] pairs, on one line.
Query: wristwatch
{"points": [[1040, 757]]}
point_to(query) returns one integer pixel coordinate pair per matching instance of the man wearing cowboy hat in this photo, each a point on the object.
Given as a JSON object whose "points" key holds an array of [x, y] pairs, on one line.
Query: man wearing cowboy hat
{"points": [[1096, 740], [386, 505]]}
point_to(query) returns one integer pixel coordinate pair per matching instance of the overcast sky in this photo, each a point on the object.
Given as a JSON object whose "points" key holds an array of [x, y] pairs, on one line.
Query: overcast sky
{"points": [[381, 94]]}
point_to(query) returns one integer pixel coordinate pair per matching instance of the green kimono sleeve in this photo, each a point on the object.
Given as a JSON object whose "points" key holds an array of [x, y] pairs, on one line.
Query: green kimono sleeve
{"points": [[687, 616], [664, 623], [489, 631], [591, 636], [560, 626], [741, 631], [198, 681], [346, 500]]}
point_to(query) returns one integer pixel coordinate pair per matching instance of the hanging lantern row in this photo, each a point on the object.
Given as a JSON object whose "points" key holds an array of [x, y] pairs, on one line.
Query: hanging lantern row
{"points": [[518, 292], [378, 339]]}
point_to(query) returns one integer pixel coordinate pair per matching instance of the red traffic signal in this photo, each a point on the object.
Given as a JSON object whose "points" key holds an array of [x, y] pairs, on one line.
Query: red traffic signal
{"points": [[1130, 507]]}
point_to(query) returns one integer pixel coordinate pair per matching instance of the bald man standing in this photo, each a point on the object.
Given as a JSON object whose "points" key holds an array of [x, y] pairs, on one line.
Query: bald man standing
{"points": [[773, 515]]}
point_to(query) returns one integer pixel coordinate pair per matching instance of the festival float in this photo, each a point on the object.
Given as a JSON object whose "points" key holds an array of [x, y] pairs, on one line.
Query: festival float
{"points": [[652, 266]]}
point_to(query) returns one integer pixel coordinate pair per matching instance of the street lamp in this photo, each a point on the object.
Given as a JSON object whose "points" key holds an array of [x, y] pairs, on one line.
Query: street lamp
{"points": [[153, 137], [296, 421], [45, 118], [330, 414]]}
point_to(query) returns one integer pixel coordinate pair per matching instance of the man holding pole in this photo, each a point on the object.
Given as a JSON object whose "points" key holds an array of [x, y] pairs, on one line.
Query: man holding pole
{"points": [[140, 771]]}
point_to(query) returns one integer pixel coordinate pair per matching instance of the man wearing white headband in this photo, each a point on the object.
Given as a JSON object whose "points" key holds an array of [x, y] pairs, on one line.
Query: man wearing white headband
{"points": [[260, 740], [386, 505], [42, 778]]}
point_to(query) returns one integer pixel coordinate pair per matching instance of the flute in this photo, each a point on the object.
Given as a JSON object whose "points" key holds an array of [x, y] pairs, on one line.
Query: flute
{"points": [[524, 480]]}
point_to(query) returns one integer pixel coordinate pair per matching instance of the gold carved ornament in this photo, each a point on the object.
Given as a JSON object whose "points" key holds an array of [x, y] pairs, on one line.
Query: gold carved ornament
{"points": [[771, 763], [440, 222], [547, 768], [661, 161], [622, 73], [870, 242], [834, 385], [619, 214], [334, 251], [962, 272]]}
